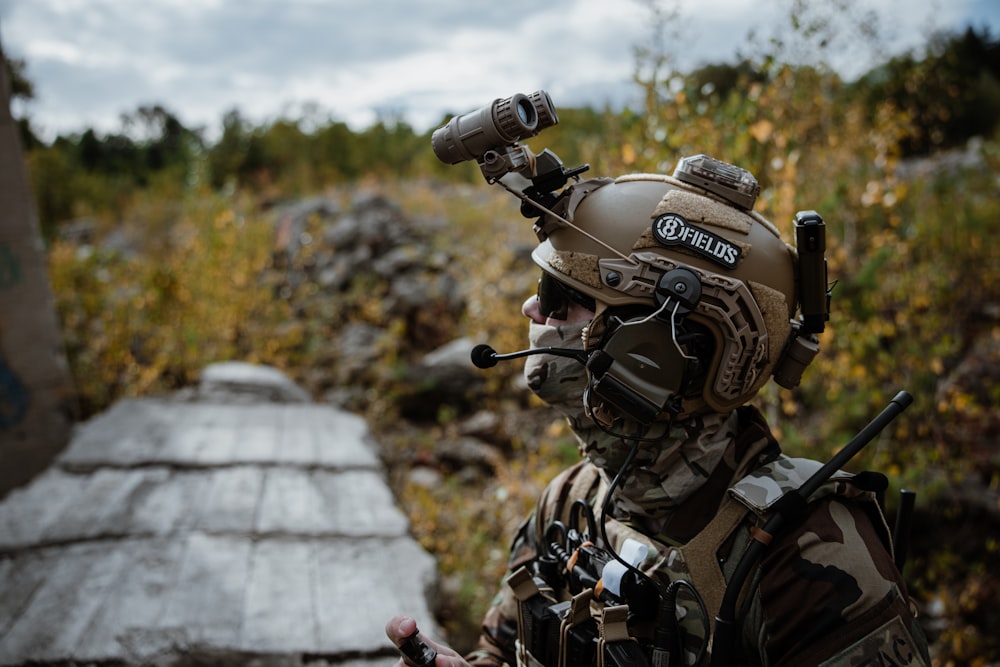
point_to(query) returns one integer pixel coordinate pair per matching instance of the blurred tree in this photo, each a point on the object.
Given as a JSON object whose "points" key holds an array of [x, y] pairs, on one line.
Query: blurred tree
{"points": [[390, 146], [226, 157], [951, 92], [720, 80], [337, 154], [278, 154], [98, 175], [165, 143]]}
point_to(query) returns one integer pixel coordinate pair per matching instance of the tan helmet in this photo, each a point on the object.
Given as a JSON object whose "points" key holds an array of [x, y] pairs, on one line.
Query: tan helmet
{"points": [[628, 242]]}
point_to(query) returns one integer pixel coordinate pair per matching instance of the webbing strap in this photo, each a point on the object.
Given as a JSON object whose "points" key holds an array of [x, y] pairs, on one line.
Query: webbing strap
{"points": [[701, 555], [523, 584], [614, 627], [579, 611]]}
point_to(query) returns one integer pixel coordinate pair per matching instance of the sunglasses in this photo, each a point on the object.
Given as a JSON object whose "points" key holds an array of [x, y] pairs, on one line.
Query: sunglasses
{"points": [[554, 298]]}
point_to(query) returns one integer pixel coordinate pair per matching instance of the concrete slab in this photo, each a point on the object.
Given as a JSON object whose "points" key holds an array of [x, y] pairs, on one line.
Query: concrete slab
{"points": [[241, 532], [212, 434]]}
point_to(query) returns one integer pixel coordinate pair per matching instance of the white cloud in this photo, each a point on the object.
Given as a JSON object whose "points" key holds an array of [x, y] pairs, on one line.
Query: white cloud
{"points": [[92, 60]]}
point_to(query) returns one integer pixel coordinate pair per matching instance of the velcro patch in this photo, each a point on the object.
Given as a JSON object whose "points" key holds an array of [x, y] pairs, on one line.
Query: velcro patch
{"points": [[673, 229], [890, 644]]}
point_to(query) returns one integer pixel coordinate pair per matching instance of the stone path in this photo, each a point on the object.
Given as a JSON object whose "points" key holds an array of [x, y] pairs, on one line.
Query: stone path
{"points": [[174, 532]]}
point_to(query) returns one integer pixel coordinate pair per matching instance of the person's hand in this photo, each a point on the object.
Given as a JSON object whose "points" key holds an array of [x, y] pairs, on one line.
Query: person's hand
{"points": [[400, 627]]}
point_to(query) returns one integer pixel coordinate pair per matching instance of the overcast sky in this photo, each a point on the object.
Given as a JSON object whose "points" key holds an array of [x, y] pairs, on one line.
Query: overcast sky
{"points": [[93, 60]]}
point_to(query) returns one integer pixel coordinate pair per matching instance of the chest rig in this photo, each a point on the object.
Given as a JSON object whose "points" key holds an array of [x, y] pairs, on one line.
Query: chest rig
{"points": [[636, 600], [579, 606]]}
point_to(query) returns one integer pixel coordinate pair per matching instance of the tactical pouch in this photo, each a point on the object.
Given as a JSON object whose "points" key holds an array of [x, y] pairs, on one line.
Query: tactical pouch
{"points": [[534, 598], [577, 640], [615, 647]]}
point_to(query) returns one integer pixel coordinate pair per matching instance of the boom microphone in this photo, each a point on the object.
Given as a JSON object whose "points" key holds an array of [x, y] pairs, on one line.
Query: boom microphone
{"points": [[484, 356]]}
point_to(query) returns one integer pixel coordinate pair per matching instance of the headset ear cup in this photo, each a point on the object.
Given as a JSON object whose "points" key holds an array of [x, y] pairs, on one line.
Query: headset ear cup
{"points": [[639, 370]]}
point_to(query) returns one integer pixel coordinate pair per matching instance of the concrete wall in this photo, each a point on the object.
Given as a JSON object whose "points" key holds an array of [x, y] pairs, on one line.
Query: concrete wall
{"points": [[37, 400]]}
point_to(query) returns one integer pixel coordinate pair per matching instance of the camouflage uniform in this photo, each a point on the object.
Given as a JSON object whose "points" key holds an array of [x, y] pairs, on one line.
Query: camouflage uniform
{"points": [[826, 590]]}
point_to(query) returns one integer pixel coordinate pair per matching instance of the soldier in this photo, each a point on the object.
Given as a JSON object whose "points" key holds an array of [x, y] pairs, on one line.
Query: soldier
{"points": [[665, 304]]}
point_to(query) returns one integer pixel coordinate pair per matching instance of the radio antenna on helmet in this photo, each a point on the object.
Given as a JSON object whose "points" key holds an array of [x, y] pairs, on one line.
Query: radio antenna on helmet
{"points": [[524, 198]]}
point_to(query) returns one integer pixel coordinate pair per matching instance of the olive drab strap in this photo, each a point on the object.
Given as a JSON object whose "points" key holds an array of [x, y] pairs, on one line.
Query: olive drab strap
{"points": [[536, 613]]}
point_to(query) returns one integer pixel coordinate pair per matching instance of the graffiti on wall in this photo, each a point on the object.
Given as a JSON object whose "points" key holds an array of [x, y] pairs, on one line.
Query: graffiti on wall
{"points": [[10, 267], [14, 397]]}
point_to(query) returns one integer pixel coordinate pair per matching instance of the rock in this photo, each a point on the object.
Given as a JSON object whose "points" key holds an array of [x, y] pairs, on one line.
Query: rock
{"points": [[359, 346], [237, 381], [374, 223], [291, 223], [383, 296], [454, 357], [485, 425], [185, 533], [425, 477], [444, 376], [398, 260], [469, 454]]}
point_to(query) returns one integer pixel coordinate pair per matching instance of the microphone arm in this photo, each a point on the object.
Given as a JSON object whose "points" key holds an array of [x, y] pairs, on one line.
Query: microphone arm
{"points": [[484, 356]]}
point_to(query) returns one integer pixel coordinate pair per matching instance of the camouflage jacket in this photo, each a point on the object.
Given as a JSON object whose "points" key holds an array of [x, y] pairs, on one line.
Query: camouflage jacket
{"points": [[825, 592]]}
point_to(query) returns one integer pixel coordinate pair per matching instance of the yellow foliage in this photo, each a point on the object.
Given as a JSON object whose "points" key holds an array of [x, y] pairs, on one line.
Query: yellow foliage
{"points": [[628, 154], [138, 323], [761, 130]]}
